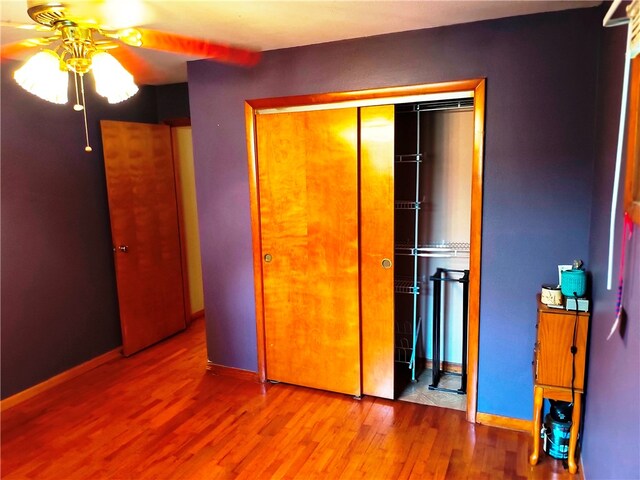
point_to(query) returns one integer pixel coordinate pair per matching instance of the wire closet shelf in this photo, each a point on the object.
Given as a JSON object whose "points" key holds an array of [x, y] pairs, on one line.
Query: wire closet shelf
{"points": [[435, 250]]}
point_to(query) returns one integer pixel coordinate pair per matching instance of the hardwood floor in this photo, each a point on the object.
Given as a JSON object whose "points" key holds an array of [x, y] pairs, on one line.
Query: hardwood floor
{"points": [[161, 415]]}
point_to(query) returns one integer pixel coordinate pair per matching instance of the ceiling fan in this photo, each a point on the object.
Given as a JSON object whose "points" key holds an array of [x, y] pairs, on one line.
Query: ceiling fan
{"points": [[77, 42]]}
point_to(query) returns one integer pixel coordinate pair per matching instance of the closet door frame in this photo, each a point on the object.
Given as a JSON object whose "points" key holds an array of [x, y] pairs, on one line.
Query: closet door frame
{"points": [[361, 98]]}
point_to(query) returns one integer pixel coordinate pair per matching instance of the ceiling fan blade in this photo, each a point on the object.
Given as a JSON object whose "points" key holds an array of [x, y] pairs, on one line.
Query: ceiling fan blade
{"points": [[174, 43], [143, 73], [25, 26], [13, 50], [17, 50]]}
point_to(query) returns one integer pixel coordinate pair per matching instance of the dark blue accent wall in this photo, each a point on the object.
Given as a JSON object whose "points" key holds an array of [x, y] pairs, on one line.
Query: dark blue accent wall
{"points": [[541, 75], [59, 302], [611, 446], [173, 101]]}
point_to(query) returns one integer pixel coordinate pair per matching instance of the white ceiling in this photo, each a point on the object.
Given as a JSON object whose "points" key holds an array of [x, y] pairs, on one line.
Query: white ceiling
{"points": [[268, 24]]}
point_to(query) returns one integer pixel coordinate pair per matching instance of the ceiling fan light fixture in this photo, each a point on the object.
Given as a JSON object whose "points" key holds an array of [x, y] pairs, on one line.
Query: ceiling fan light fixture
{"points": [[43, 76], [112, 80]]}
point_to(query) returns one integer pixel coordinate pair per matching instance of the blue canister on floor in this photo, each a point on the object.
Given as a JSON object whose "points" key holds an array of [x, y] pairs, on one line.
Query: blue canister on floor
{"points": [[555, 435]]}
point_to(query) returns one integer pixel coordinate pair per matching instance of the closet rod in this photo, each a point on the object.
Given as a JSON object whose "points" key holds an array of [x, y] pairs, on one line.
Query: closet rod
{"points": [[438, 255], [434, 246], [462, 104]]}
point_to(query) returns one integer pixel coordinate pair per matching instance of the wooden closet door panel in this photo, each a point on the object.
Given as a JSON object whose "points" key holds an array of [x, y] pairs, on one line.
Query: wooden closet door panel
{"points": [[144, 221], [308, 179], [376, 245]]}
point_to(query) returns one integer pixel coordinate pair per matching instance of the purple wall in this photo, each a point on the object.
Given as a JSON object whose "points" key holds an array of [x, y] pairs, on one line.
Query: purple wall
{"points": [[541, 87], [612, 417], [59, 303]]}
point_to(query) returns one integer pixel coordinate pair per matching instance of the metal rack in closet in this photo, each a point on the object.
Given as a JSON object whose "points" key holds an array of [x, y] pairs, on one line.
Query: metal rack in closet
{"points": [[408, 331]]}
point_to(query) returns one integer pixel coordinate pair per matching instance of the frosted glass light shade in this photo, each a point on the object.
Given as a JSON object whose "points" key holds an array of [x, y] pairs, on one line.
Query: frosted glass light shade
{"points": [[112, 80], [43, 76]]}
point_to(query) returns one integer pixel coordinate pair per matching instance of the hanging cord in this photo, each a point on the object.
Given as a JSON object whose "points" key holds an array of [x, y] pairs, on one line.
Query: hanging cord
{"points": [[77, 107], [574, 350], [84, 112], [627, 233]]}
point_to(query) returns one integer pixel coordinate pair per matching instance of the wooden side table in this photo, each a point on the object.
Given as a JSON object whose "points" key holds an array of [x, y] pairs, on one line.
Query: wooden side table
{"points": [[554, 369]]}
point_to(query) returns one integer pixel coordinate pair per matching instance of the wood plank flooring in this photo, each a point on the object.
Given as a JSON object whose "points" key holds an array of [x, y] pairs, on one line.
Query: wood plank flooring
{"points": [[160, 415]]}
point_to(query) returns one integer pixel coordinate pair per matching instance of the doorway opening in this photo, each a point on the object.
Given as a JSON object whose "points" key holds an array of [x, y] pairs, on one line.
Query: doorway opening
{"points": [[433, 179]]}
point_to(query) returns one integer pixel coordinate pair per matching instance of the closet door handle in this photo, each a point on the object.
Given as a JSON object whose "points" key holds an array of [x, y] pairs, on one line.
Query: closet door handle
{"points": [[386, 263], [268, 257]]}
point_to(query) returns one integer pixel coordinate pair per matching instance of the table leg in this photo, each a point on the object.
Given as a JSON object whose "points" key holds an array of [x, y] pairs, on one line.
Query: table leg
{"points": [[575, 428], [535, 431]]}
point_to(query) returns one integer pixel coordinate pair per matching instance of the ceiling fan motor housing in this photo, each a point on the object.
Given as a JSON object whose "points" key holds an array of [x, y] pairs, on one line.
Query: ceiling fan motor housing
{"points": [[78, 43], [77, 36], [46, 13]]}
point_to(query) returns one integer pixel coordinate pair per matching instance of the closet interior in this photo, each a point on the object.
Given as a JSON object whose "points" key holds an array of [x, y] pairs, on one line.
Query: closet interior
{"points": [[432, 185]]}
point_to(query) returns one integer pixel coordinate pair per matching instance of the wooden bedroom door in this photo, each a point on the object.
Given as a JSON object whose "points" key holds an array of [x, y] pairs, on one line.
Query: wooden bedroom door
{"points": [[308, 184], [144, 228]]}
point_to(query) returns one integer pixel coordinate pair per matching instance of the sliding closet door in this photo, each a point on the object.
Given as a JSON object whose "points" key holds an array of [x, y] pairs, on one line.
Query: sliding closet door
{"points": [[377, 249], [308, 193]]}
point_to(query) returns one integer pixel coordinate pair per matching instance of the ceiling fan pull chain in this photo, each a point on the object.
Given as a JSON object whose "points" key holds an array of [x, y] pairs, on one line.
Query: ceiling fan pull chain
{"points": [[84, 113], [77, 107]]}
